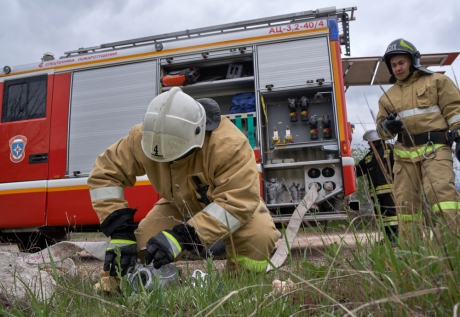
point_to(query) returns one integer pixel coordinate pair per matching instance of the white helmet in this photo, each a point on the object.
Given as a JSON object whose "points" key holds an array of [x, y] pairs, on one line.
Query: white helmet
{"points": [[173, 125], [371, 136]]}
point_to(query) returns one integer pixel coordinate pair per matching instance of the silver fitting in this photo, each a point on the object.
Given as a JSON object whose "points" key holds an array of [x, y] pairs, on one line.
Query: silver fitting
{"points": [[429, 143], [143, 276]]}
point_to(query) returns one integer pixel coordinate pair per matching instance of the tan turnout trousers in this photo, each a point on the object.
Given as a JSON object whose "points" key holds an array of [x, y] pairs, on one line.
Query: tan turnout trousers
{"points": [[433, 178], [253, 242]]}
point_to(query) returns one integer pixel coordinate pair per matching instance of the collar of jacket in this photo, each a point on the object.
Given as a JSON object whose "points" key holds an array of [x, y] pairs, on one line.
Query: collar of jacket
{"points": [[412, 79]]}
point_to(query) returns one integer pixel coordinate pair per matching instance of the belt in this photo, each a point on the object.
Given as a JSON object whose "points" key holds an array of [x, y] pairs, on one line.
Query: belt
{"points": [[437, 137]]}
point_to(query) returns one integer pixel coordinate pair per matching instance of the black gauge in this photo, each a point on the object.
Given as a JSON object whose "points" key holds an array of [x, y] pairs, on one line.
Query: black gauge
{"points": [[328, 172], [329, 186], [314, 173]]}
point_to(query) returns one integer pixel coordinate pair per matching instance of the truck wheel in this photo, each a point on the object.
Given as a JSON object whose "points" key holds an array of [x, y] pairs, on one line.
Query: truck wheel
{"points": [[217, 250], [33, 242]]}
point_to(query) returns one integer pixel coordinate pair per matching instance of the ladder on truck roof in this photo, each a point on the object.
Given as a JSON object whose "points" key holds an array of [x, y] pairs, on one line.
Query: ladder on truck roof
{"points": [[229, 27]]}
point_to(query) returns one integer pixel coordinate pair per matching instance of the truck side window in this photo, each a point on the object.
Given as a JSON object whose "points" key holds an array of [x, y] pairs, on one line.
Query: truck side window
{"points": [[24, 99]]}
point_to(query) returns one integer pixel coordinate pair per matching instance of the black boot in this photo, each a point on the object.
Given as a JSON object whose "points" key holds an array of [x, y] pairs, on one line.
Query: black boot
{"points": [[392, 233]]}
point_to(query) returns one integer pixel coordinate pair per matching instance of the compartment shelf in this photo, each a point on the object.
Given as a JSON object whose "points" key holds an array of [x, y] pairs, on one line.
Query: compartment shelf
{"points": [[286, 146], [232, 116], [300, 164], [221, 87]]}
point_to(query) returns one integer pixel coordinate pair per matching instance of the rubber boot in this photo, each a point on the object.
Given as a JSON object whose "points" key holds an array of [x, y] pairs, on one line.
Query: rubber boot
{"points": [[392, 233], [410, 233]]}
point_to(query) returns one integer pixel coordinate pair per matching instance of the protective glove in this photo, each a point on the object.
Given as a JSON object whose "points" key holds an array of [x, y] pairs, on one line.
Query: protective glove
{"points": [[455, 135], [457, 150], [391, 124], [128, 256], [120, 226], [165, 246]]}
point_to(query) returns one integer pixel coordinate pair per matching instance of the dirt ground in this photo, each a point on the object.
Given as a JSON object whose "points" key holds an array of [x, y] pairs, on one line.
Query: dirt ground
{"points": [[311, 244]]}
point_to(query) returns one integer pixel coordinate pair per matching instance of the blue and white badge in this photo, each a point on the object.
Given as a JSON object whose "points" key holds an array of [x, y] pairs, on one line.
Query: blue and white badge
{"points": [[18, 148]]}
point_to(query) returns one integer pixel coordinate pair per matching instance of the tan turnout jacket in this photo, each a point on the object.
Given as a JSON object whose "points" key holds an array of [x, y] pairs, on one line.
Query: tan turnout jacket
{"points": [[225, 163], [425, 103]]}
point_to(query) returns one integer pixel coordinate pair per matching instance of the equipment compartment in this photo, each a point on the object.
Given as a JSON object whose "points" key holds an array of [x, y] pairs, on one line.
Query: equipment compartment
{"points": [[219, 76], [293, 119]]}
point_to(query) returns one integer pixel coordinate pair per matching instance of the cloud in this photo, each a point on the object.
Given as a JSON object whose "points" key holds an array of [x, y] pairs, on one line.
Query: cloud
{"points": [[30, 28]]}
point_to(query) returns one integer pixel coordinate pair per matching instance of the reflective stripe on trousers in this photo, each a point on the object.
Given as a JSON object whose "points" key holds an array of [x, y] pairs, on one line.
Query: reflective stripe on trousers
{"points": [[248, 264], [390, 221], [408, 217], [383, 189], [446, 205], [416, 153], [436, 208]]}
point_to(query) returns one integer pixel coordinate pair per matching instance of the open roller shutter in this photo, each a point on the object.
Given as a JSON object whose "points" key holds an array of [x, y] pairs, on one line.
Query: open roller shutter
{"points": [[106, 103]]}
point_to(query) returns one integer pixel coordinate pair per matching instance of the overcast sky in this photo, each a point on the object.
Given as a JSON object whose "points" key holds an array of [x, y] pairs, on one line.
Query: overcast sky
{"points": [[31, 27]]}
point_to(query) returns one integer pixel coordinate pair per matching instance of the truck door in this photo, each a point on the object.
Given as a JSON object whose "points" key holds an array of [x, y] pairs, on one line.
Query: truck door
{"points": [[24, 138]]}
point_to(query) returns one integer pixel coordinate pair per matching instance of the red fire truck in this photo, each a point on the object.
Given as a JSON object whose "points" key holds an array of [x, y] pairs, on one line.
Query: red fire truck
{"points": [[59, 114]]}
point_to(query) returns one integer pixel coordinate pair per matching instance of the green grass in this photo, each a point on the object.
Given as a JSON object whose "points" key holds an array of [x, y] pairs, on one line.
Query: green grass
{"points": [[369, 280], [86, 235]]}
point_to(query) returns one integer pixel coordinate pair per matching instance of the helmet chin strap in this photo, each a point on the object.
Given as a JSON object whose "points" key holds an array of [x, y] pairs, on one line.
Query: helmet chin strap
{"points": [[186, 154], [409, 73]]}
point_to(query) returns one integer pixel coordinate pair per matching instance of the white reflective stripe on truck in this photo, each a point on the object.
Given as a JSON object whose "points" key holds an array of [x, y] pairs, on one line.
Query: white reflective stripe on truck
{"points": [[76, 183], [12, 188], [348, 161]]}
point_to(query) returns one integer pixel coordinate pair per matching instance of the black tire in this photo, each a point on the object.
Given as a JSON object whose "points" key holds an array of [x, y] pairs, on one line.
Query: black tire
{"points": [[218, 249], [33, 241]]}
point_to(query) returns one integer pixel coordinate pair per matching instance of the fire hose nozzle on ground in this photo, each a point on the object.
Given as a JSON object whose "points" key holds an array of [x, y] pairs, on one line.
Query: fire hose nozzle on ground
{"points": [[145, 275]]}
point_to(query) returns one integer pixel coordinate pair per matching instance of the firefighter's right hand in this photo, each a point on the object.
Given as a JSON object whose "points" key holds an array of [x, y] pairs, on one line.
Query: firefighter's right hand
{"points": [[457, 150], [120, 227], [456, 139], [127, 260], [391, 124]]}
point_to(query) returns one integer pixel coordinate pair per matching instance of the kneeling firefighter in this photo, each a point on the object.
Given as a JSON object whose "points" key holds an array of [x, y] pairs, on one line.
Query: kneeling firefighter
{"points": [[420, 109], [377, 165], [203, 168]]}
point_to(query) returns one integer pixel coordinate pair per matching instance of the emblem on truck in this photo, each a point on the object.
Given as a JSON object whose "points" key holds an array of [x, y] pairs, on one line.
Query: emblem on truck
{"points": [[18, 148]]}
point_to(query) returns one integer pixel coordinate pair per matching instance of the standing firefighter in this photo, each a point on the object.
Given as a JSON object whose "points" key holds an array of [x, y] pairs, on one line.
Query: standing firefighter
{"points": [[204, 169], [420, 109], [380, 156]]}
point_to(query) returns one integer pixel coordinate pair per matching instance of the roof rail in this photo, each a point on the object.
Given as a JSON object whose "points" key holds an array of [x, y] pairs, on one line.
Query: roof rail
{"points": [[223, 28]]}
